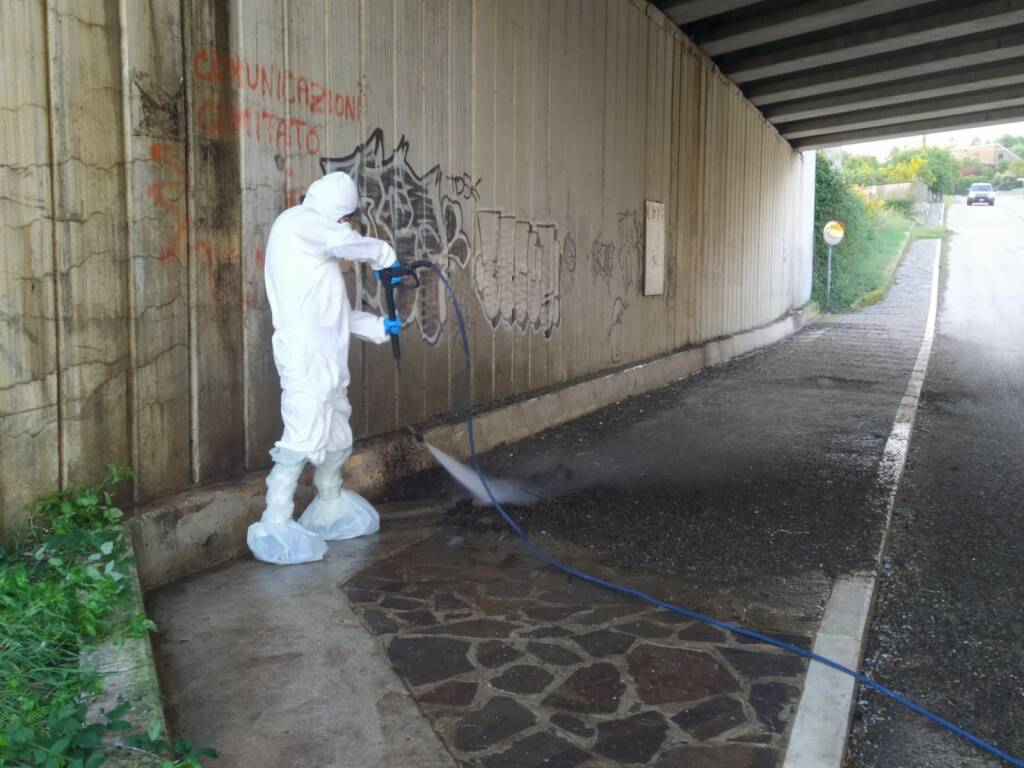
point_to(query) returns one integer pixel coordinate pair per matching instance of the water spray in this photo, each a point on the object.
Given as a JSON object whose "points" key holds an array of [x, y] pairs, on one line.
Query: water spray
{"points": [[392, 278]]}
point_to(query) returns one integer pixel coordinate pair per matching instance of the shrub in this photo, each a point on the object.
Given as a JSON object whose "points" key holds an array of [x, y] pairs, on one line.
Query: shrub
{"points": [[67, 584], [904, 208], [834, 201], [875, 233]]}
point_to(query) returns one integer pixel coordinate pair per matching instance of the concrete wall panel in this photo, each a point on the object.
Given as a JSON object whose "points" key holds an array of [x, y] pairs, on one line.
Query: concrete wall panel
{"points": [[29, 436], [512, 143]]}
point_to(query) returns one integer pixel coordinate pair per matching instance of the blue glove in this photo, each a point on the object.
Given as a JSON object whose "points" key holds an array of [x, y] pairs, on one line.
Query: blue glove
{"points": [[392, 327]]}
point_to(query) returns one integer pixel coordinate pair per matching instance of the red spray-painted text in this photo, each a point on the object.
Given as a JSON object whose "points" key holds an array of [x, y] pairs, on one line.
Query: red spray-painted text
{"points": [[277, 84]]}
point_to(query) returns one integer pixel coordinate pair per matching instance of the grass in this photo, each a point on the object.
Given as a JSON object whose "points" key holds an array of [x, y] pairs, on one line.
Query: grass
{"points": [[859, 276], [938, 232]]}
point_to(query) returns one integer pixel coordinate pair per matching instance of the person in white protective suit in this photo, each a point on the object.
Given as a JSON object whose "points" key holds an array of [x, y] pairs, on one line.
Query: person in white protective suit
{"points": [[312, 323]]}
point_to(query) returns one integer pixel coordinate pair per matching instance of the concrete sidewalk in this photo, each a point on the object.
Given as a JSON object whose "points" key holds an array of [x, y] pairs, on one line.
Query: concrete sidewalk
{"points": [[742, 492]]}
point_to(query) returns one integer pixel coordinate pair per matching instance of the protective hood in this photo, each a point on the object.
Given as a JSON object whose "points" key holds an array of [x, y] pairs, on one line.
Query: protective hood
{"points": [[334, 195]]}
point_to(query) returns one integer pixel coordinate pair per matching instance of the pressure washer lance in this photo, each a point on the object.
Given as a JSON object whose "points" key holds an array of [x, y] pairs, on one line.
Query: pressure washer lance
{"points": [[392, 277]]}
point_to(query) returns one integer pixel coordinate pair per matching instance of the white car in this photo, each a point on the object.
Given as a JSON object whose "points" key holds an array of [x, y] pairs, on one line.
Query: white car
{"points": [[981, 193]]}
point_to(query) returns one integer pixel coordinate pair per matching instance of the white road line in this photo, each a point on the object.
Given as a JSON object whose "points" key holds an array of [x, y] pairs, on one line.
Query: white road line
{"points": [[822, 724]]}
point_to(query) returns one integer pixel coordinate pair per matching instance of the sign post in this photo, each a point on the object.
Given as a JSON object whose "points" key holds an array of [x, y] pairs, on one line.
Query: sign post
{"points": [[833, 234]]}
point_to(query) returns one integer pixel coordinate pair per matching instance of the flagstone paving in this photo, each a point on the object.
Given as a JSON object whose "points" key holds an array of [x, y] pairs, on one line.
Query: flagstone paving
{"points": [[518, 665]]}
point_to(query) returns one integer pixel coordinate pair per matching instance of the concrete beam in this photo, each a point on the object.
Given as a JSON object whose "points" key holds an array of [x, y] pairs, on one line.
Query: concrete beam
{"points": [[877, 37], [974, 50], [898, 92], [916, 128], [746, 30], [686, 11], [965, 103]]}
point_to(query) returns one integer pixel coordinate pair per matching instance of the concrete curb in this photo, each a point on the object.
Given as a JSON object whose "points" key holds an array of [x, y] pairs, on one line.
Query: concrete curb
{"points": [[194, 530], [129, 673], [821, 728]]}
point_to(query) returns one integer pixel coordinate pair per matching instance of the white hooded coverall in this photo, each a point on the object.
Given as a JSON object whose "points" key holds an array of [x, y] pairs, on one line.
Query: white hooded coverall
{"points": [[312, 323]]}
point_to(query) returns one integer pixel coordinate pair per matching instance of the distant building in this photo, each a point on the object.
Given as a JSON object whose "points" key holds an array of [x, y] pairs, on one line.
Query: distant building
{"points": [[988, 154]]}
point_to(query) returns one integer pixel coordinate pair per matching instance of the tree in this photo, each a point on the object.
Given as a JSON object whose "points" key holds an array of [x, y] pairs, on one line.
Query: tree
{"points": [[1013, 143], [934, 167], [862, 169]]}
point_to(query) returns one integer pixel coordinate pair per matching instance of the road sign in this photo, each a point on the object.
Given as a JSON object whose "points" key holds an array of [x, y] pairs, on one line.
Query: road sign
{"points": [[833, 232]]}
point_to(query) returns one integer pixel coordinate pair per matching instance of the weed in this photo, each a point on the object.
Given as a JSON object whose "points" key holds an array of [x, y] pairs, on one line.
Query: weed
{"points": [[937, 232], [67, 584]]}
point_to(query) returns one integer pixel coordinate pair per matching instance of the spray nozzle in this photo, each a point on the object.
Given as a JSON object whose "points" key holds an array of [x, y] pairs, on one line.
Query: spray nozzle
{"points": [[391, 278]]}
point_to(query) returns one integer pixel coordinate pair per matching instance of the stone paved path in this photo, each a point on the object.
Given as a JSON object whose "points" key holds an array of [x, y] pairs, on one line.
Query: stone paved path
{"points": [[517, 665]]}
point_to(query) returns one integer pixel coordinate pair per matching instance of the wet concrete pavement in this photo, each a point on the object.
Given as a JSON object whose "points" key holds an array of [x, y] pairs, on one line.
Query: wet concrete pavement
{"points": [[741, 493], [950, 616], [271, 667]]}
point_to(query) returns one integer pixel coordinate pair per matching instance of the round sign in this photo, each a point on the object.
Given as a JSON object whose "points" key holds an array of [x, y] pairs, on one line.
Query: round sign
{"points": [[833, 232]]}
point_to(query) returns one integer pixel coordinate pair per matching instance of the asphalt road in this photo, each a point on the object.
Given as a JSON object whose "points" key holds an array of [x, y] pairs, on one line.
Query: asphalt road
{"points": [[949, 627]]}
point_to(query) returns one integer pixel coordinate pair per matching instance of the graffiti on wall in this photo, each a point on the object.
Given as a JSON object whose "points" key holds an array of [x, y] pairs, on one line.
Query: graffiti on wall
{"points": [[411, 211], [465, 187], [616, 264], [615, 341], [294, 105], [169, 194], [517, 272]]}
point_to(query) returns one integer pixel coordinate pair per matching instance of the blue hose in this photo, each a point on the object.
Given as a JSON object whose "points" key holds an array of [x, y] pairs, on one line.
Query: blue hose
{"points": [[736, 630]]}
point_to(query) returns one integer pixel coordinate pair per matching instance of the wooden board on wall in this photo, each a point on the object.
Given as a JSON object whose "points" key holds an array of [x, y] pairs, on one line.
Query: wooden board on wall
{"points": [[154, 107], [90, 237], [215, 275], [28, 339]]}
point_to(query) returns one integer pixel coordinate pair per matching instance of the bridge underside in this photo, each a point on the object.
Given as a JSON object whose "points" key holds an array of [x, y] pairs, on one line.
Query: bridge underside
{"points": [[831, 72]]}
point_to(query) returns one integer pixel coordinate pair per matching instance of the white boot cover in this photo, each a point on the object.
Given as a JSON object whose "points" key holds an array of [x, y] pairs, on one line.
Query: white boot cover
{"points": [[277, 538], [335, 513]]}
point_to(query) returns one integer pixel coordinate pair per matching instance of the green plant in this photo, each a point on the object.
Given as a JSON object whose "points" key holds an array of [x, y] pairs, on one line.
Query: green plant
{"points": [[63, 586], [902, 208], [937, 232]]}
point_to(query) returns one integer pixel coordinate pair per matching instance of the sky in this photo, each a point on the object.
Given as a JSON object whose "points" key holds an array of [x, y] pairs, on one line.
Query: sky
{"points": [[962, 138]]}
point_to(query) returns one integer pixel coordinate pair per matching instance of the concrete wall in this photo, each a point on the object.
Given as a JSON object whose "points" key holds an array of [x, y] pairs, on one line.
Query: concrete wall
{"points": [[146, 147]]}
